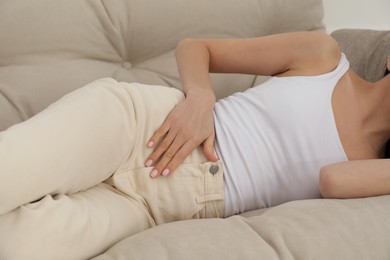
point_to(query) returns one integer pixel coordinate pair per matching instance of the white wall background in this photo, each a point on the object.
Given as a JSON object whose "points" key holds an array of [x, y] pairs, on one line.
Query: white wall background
{"points": [[364, 14]]}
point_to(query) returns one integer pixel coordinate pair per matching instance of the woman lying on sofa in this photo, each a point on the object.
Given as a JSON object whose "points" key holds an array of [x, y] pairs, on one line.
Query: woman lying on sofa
{"points": [[78, 177]]}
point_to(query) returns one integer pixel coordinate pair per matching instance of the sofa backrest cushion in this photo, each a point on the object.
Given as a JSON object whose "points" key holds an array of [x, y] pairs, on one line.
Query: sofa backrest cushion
{"points": [[49, 48]]}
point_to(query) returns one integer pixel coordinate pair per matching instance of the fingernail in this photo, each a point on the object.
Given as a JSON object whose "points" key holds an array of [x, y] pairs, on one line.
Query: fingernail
{"points": [[165, 172], [149, 163], [154, 173], [150, 144]]}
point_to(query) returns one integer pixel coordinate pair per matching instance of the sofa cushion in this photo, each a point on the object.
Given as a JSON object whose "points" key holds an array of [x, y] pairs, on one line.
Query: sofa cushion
{"points": [[49, 48], [308, 229], [366, 50]]}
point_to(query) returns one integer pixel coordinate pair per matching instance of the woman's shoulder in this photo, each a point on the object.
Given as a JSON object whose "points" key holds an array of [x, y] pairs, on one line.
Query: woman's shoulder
{"points": [[322, 56]]}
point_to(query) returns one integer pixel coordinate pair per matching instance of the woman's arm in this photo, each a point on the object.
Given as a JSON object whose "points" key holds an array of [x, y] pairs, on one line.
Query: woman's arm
{"points": [[191, 123], [297, 53], [356, 179]]}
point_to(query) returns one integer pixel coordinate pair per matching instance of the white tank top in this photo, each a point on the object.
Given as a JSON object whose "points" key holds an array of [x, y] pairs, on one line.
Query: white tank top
{"points": [[274, 138]]}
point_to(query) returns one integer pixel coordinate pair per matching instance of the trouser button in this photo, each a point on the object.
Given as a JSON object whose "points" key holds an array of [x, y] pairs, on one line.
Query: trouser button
{"points": [[213, 169]]}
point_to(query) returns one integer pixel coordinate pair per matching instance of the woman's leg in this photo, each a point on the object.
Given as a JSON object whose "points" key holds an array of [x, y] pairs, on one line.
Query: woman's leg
{"points": [[52, 199], [76, 226], [52, 166], [76, 143], [63, 153]]}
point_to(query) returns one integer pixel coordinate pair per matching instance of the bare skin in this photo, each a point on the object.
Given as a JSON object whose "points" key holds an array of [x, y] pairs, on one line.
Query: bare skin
{"points": [[361, 108], [362, 113]]}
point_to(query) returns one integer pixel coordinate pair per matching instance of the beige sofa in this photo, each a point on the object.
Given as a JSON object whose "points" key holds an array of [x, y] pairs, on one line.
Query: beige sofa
{"points": [[49, 48]]}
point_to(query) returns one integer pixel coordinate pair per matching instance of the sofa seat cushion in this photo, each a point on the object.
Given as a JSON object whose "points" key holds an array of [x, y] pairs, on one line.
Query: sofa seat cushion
{"points": [[308, 229]]}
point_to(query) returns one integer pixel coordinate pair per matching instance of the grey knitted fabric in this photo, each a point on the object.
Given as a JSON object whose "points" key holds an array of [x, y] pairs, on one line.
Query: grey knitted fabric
{"points": [[367, 51]]}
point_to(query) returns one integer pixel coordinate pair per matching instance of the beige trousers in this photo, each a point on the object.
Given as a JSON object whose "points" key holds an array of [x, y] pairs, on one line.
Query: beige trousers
{"points": [[73, 180]]}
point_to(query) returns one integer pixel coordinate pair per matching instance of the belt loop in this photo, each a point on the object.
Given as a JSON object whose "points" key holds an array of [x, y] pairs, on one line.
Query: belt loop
{"points": [[207, 198]]}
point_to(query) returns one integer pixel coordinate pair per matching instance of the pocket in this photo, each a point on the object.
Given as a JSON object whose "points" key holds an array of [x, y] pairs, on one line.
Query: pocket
{"points": [[170, 198]]}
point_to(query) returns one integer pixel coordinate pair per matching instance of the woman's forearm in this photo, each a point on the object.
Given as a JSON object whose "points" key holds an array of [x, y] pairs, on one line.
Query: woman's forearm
{"points": [[356, 179], [193, 60]]}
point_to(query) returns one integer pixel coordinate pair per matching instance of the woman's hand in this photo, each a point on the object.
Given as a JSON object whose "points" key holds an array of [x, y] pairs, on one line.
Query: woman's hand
{"points": [[188, 125]]}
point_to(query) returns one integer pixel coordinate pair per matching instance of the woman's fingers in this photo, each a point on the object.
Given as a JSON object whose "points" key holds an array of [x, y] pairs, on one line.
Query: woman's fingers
{"points": [[169, 153], [160, 148], [177, 152], [172, 158], [159, 134]]}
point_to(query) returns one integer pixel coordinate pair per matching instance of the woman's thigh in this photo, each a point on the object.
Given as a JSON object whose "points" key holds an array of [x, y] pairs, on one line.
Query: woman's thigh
{"points": [[80, 140]]}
